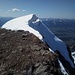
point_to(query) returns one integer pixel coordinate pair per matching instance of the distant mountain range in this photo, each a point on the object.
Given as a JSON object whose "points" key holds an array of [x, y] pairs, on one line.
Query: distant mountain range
{"points": [[63, 28], [65, 23], [50, 22]]}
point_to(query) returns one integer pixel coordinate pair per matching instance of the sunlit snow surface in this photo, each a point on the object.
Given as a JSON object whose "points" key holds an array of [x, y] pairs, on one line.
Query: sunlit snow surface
{"points": [[21, 23], [33, 24]]}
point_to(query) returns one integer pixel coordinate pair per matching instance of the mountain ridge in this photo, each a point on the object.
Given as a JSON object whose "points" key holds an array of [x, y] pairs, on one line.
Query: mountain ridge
{"points": [[32, 24], [22, 53]]}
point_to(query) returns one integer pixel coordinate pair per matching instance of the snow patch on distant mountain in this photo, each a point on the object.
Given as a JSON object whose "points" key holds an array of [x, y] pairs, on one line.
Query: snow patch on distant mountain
{"points": [[33, 24]]}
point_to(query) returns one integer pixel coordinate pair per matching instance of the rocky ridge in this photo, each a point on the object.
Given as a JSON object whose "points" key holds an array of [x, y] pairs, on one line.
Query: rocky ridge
{"points": [[22, 53]]}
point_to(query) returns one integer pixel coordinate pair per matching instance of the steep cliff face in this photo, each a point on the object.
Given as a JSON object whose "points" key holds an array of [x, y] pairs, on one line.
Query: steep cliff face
{"points": [[22, 53]]}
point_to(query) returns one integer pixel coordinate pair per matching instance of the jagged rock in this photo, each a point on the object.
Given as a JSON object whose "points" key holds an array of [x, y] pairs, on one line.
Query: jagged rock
{"points": [[25, 57]]}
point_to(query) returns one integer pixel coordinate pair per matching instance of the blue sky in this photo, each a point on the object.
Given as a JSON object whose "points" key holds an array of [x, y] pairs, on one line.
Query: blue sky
{"points": [[42, 8]]}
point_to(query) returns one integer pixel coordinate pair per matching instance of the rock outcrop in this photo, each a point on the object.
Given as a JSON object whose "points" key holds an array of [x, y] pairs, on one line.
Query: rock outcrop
{"points": [[22, 53]]}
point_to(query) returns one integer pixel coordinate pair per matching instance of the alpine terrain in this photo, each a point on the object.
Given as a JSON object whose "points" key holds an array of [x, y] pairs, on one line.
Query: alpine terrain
{"points": [[35, 26]]}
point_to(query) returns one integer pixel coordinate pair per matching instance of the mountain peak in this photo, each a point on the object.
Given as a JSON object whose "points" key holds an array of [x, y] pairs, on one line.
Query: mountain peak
{"points": [[24, 20], [29, 18], [22, 23], [33, 18]]}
